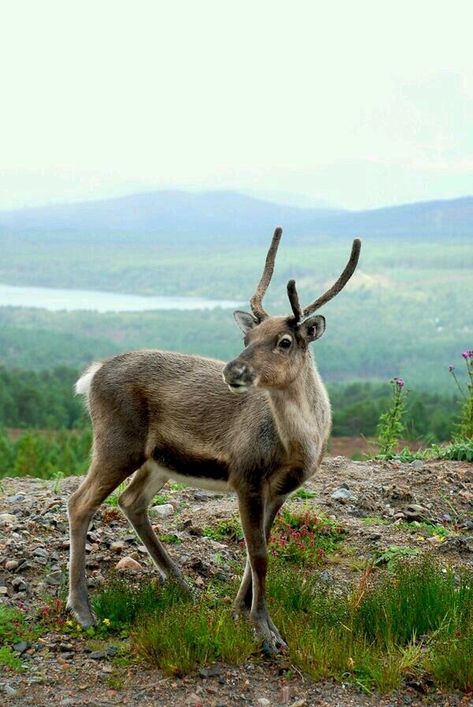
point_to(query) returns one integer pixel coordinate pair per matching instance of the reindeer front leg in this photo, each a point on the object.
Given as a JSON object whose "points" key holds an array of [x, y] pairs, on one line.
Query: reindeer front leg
{"points": [[253, 520]]}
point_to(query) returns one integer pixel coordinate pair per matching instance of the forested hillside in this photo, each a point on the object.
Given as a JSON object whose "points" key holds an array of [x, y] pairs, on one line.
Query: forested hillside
{"points": [[406, 311], [45, 400]]}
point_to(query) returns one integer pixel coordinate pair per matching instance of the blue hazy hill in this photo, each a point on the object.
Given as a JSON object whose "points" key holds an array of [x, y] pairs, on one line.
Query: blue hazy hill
{"points": [[231, 214]]}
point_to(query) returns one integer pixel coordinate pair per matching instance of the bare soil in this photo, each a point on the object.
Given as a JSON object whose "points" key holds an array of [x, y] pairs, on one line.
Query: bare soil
{"points": [[379, 499]]}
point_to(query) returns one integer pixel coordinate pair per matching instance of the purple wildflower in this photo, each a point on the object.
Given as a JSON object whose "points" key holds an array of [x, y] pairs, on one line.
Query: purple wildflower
{"points": [[451, 368], [399, 382], [467, 354]]}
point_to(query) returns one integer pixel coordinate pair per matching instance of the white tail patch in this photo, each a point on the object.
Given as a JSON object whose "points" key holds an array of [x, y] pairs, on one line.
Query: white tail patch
{"points": [[82, 386]]}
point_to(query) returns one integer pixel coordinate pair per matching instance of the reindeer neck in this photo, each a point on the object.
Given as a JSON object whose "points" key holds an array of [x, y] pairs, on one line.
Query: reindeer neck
{"points": [[302, 415]]}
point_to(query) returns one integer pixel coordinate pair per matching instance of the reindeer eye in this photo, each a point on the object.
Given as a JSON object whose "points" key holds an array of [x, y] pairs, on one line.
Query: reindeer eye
{"points": [[285, 342]]}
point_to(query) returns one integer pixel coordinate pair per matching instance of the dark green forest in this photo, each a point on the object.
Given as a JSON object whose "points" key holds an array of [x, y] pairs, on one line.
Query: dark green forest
{"points": [[44, 400]]}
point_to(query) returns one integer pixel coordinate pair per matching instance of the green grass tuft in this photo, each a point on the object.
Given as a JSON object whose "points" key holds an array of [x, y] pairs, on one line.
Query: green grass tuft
{"points": [[229, 529], [304, 494], [121, 603], [11, 660], [186, 637]]}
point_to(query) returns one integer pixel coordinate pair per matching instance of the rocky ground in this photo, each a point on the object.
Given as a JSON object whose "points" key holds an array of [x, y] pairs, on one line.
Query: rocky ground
{"points": [[383, 505]]}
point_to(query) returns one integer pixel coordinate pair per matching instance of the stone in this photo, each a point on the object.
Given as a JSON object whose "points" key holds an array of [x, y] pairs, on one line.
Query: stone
{"points": [[213, 672], [202, 496], [117, 546], [285, 695], [65, 647], [7, 519], [342, 494], [98, 655], [128, 563], [11, 565], [163, 511], [19, 584], [462, 544], [263, 702], [41, 552], [55, 579], [15, 499], [415, 512], [21, 647], [417, 464], [9, 690]]}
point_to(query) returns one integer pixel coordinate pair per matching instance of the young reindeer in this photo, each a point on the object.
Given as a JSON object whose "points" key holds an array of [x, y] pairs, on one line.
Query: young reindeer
{"points": [[166, 415]]}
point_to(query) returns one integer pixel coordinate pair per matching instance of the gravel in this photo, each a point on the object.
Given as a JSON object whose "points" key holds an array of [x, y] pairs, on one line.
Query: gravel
{"points": [[65, 671]]}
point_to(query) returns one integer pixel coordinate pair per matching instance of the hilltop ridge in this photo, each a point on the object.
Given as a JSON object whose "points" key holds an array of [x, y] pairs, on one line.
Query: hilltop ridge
{"points": [[230, 213]]}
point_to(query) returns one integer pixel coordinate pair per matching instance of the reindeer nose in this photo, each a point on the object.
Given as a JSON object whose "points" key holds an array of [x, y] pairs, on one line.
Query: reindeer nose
{"points": [[238, 375]]}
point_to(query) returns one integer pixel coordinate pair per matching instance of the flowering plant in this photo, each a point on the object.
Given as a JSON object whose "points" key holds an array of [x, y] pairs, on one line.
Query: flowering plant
{"points": [[465, 424], [391, 425]]}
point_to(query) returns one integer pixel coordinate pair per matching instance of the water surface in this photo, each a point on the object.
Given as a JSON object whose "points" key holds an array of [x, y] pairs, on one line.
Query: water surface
{"points": [[56, 300]]}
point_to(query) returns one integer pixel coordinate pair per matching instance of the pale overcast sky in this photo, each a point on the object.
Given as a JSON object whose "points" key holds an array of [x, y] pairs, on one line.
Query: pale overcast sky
{"points": [[358, 102]]}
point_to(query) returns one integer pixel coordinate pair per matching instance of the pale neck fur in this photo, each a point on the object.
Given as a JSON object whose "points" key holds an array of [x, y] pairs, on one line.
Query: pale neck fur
{"points": [[302, 416]]}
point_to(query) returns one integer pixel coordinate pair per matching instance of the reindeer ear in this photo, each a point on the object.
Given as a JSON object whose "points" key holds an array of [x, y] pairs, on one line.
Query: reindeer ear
{"points": [[313, 328], [245, 321]]}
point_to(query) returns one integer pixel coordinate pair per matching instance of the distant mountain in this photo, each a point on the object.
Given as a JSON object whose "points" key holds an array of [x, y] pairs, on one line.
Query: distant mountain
{"points": [[227, 214]]}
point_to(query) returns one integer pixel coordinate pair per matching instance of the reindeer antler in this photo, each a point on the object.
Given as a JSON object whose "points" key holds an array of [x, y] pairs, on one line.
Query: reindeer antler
{"points": [[257, 299], [294, 300], [331, 292]]}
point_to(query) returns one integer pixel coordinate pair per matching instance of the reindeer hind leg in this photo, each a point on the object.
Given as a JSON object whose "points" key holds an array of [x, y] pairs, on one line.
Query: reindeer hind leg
{"points": [[103, 477], [134, 502]]}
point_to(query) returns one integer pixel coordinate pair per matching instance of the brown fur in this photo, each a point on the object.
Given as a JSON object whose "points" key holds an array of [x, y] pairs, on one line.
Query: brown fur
{"points": [[164, 414]]}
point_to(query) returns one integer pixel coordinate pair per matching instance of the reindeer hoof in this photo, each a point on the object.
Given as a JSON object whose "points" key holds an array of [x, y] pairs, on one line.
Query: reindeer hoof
{"points": [[272, 644], [273, 647], [82, 614]]}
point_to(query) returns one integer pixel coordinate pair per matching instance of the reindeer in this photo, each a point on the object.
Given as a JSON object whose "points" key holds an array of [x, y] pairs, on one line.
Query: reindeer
{"points": [[164, 415]]}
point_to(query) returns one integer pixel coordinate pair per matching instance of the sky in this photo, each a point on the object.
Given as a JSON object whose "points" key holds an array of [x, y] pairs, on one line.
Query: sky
{"points": [[356, 103]]}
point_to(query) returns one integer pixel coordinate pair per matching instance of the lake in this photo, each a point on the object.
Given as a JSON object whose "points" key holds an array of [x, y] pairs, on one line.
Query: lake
{"points": [[56, 300]]}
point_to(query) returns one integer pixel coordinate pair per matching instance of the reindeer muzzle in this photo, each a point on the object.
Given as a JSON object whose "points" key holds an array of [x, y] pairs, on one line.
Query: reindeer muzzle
{"points": [[239, 376]]}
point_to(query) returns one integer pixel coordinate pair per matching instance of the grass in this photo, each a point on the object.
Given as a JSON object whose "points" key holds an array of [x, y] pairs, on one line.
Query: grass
{"points": [[10, 660], [416, 619], [460, 450], [160, 500], [229, 529], [413, 620], [120, 603], [407, 617], [185, 637], [304, 494], [170, 538], [426, 529], [374, 520], [14, 627], [393, 554]]}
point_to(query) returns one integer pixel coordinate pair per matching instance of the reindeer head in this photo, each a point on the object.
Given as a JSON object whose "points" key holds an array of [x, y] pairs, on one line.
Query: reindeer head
{"points": [[276, 347]]}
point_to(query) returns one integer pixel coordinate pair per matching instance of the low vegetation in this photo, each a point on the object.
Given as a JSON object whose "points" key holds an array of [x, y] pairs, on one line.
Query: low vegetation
{"points": [[392, 423], [412, 622]]}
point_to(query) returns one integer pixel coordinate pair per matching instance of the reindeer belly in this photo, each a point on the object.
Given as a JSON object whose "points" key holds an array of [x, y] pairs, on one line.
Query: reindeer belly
{"points": [[193, 469]]}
